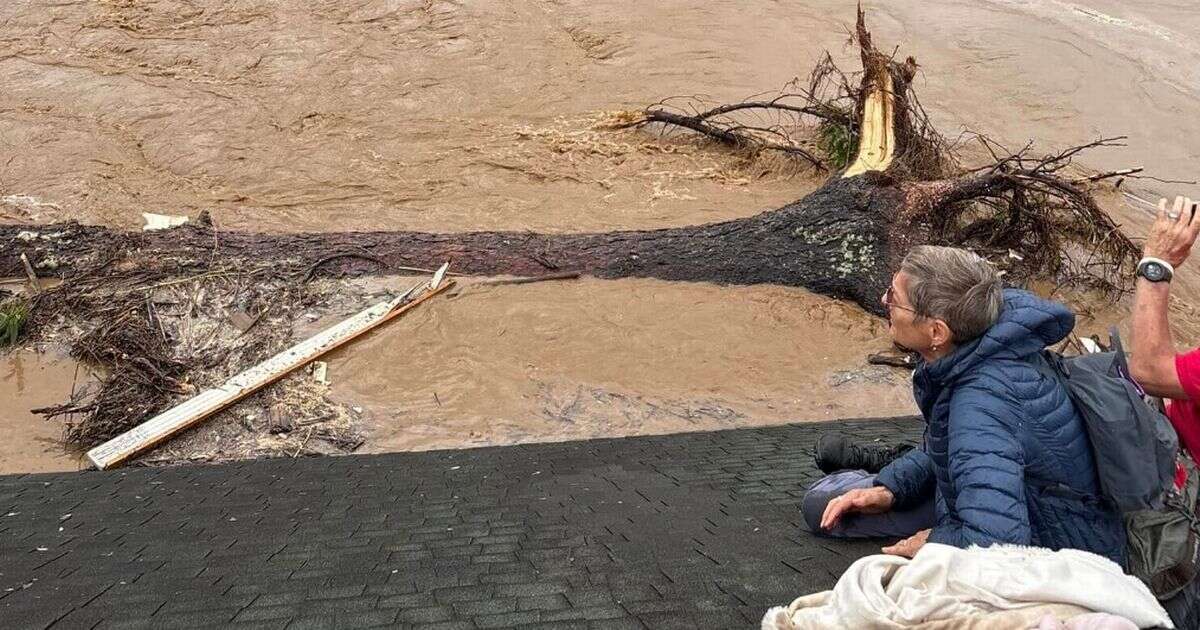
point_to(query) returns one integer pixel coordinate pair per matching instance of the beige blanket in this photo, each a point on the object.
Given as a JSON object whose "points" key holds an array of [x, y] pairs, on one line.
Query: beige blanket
{"points": [[943, 588]]}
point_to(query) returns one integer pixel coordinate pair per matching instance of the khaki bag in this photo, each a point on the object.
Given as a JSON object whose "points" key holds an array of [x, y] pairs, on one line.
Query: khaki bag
{"points": [[1163, 548]]}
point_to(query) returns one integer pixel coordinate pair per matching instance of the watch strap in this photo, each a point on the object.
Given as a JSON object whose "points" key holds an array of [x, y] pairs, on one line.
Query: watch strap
{"points": [[1169, 266], [1158, 261]]}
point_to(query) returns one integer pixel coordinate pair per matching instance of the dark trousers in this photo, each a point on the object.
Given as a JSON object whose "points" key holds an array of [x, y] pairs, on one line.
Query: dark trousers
{"points": [[1184, 608], [894, 524]]}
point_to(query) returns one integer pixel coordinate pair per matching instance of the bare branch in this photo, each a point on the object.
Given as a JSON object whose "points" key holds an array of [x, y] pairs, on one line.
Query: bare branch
{"points": [[823, 112], [1125, 172], [729, 135]]}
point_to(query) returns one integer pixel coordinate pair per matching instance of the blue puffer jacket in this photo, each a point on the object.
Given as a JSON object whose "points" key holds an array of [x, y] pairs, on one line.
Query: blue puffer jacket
{"points": [[1005, 452]]}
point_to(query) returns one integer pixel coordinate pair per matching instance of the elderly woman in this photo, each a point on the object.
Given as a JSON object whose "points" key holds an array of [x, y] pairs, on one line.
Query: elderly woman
{"points": [[1006, 459]]}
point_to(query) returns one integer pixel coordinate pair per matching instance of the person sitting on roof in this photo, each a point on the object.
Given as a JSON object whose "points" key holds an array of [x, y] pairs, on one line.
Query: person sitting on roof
{"points": [[1006, 458]]}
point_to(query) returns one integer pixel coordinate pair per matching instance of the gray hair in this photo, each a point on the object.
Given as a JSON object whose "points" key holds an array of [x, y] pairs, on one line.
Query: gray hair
{"points": [[956, 286]]}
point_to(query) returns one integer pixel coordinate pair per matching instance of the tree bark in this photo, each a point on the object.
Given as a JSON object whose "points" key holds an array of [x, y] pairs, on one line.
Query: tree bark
{"points": [[837, 241], [841, 240]]}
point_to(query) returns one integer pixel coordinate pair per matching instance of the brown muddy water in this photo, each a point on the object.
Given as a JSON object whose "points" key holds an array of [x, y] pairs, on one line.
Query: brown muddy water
{"points": [[28, 380], [593, 358], [440, 115]]}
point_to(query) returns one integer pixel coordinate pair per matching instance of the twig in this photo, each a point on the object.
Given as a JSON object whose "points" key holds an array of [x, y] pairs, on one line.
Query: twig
{"points": [[152, 315], [728, 136], [1099, 176], [74, 379], [304, 443], [312, 268], [1190, 182], [820, 111], [34, 286], [423, 270], [308, 275], [565, 275]]}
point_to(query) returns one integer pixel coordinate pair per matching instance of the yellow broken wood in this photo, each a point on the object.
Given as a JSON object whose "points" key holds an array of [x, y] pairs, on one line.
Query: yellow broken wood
{"points": [[877, 141]]}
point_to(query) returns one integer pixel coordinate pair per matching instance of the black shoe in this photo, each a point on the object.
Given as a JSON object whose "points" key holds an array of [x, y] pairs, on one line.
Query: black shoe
{"points": [[836, 452]]}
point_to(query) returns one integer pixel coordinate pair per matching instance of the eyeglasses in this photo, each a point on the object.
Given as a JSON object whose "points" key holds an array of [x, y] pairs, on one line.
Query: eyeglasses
{"points": [[887, 299]]}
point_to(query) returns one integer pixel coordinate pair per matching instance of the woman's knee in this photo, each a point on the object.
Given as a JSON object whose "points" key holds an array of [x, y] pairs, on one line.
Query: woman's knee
{"points": [[826, 489], [812, 507]]}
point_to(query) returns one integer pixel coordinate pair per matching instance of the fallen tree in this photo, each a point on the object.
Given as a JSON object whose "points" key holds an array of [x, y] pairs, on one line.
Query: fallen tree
{"points": [[902, 187]]}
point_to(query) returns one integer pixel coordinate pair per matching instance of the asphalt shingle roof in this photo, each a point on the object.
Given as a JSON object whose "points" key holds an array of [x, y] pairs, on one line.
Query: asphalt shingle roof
{"points": [[697, 530]]}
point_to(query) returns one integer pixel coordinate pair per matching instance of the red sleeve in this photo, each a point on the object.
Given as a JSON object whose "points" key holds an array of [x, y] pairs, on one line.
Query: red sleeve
{"points": [[1187, 366]]}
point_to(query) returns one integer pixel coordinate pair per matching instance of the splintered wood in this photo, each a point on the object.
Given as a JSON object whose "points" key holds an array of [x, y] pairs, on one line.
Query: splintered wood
{"points": [[191, 412], [878, 132]]}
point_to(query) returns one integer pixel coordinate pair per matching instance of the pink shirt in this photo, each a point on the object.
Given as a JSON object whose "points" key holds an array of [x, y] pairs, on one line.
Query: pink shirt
{"points": [[1185, 414]]}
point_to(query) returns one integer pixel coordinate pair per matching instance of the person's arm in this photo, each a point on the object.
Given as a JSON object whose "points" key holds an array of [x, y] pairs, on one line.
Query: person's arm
{"points": [[900, 484], [1153, 360], [1152, 363], [909, 478], [987, 469]]}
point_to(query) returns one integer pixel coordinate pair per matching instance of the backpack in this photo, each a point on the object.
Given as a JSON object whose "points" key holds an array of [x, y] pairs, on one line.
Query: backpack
{"points": [[1137, 455], [1134, 445]]}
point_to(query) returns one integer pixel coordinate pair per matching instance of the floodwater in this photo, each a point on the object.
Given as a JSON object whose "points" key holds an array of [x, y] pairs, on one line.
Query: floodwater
{"points": [[28, 380], [444, 115], [588, 358]]}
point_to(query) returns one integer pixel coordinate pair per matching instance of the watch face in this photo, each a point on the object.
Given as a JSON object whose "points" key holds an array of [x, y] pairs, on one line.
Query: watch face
{"points": [[1154, 272]]}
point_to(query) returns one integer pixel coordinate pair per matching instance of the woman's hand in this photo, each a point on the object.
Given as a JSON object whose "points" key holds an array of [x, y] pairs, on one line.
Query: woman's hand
{"points": [[909, 546], [875, 500]]}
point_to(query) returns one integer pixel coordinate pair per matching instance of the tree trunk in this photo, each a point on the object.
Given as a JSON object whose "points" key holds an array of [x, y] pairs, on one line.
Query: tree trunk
{"points": [[841, 240], [836, 241]]}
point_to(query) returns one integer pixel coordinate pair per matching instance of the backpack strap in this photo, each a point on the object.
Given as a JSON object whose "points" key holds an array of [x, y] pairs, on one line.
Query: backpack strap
{"points": [[1051, 365], [1114, 341], [1116, 347], [1121, 361]]}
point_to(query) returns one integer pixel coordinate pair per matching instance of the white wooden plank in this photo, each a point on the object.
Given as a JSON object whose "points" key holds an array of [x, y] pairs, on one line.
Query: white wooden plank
{"points": [[176, 419], [436, 281]]}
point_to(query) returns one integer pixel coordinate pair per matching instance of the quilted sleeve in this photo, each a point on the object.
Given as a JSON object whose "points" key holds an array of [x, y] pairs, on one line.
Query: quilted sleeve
{"points": [[910, 478], [987, 471]]}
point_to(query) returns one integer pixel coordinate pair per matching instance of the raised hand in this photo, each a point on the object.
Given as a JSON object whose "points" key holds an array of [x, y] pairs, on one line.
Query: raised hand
{"points": [[1174, 231]]}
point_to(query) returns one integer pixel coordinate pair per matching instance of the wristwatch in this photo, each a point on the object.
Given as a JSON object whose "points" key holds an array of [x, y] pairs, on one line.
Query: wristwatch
{"points": [[1155, 270]]}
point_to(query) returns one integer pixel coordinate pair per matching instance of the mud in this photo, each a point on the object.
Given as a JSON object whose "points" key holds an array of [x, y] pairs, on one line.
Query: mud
{"points": [[442, 116]]}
